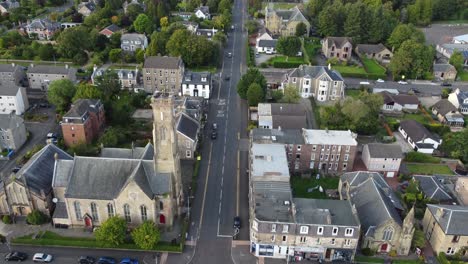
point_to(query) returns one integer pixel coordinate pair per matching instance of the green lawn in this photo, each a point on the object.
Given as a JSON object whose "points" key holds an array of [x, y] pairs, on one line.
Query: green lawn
{"points": [[354, 93], [463, 75], [300, 186], [349, 69], [373, 66], [280, 5], [407, 261], [417, 117], [312, 46], [211, 69], [288, 59], [52, 239], [429, 169], [364, 259]]}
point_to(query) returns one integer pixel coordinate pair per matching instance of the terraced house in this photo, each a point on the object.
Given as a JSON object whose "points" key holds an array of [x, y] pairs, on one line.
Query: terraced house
{"points": [[163, 74]]}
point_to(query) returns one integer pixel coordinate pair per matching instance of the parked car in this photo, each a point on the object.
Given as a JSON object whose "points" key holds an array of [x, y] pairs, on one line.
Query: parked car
{"points": [[380, 80], [129, 261], [86, 260], [16, 256], [229, 55], [237, 222], [42, 257], [227, 78], [214, 135], [214, 126], [107, 260], [364, 83], [446, 84], [51, 135], [16, 169], [402, 82]]}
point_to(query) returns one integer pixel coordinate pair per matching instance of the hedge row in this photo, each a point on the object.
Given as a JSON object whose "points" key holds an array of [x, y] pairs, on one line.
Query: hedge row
{"points": [[372, 76], [286, 64]]}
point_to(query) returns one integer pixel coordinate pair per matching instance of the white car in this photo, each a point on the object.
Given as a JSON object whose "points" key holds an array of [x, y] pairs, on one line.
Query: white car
{"points": [[364, 83], [42, 257], [380, 81], [402, 82]]}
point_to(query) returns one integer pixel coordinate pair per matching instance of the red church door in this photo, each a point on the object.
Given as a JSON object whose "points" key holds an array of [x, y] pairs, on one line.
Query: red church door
{"points": [[383, 247], [162, 219], [88, 222]]}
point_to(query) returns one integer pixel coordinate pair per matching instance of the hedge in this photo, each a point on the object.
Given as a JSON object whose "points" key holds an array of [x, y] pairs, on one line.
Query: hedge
{"points": [[372, 76], [421, 157], [286, 64]]}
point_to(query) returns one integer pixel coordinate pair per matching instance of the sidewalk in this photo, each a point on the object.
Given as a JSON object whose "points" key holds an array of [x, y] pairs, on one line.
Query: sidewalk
{"points": [[240, 253], [22, 229]]}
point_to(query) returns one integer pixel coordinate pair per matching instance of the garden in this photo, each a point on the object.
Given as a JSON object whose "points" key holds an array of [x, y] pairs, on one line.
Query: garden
{"points": [[285, 62], [371, 70], [309, 187], [420, 163]]}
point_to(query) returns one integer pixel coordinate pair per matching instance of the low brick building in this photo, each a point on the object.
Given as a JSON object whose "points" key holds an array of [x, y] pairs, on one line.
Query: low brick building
{"points": [[83, 122]]}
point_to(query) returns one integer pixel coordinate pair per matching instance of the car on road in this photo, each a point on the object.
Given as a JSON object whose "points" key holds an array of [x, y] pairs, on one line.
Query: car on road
{"points": [[229, 55], [415, 91], [51, 135], [380, 80], [214, 134], [237, 222], [129, 261], [42, 257], [16, 256], [446, 84], [364, 83], [16, 169], [107, 260], [402, 82], [227, 78], [86, 260], [214, 126]]}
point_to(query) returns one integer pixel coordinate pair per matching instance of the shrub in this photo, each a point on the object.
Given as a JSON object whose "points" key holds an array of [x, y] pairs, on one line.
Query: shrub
{"points": [[367, 252], [404, 177], [36, 217], [442, 258], [392, 253], [286, 64], [421, 157], [438, 128], [7, 219]]}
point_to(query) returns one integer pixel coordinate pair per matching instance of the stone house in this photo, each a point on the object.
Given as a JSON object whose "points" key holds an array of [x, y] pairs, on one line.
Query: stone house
{"points": [[8, 5], [86, 8], [448, 49], [188, 130], [163, 74], [448, 114], [202, 12], [30, 188], [13, 73], [281, 116], [110, 30], [13, 98], [42, 29], [460, 100], [129, 79], [461, 190], [399, 103], [130, 42], [197, 84], [445, 228], [444, 72], [322, 83], [376, 205], [284, 22], [419, 138], [84, 122], [12, 132], [337, 47], [383, 158], [40, 76], [377, 52]]}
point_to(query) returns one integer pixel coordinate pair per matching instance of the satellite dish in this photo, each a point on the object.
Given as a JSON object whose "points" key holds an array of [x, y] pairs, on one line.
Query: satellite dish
{"points": [[55, 200]]}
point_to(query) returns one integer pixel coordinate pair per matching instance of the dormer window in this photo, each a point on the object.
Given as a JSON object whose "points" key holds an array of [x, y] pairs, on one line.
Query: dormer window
{"points": [[203, 79], [130, 76], [120, 75]]}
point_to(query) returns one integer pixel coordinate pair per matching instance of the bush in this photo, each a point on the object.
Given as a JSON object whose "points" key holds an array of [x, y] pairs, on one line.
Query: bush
{"points": [[367, 252], [442, 258], [438, 129], [421, 157], [286, 64], [36, 217], [7, 220], [404, 177]]}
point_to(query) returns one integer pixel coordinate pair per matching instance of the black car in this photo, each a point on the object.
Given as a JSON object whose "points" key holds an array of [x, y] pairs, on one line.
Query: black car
{"points": [[227, 78], [446, 84], [16, 169], [237, 222], [214, 134], [86, 260], [16, 256]]}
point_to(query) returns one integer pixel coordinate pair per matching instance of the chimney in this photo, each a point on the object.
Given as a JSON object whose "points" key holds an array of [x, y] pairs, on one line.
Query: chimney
{"points": [[13, 64], [32, 65], [56, 156], [439, 213], [329, 66], [269, 158], [66, 66]]}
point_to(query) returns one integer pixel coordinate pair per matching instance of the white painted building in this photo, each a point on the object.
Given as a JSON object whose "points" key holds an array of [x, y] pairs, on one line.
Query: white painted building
{"points": [[197, 84], [384, 158], [13, 98], [420, 139]]}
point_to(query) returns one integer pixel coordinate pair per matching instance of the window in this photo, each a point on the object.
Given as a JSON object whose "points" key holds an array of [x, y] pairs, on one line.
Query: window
{"points": [[349, 232], [73, 135], [94, 213], [336, 166], [294, 80], [330, 166], [298, 147], [321, 156], [337, 157], [348, 148], [455, 239], [450, 251], [273, 228], [333, 241], [304, 230], [320, 230], [388, 233], [314, 147], [127, 216], [332, 157], [346, 157], [110, 210], [311, 166], [335, 231], [312, 156], [326, 157], [344, 166], [303, 239], [298, 156], [347, 242], [285, 238], [188, 154], [318, 241], [273, 238], [285, 228], [143, 212], [161, 205], [78, 210]]}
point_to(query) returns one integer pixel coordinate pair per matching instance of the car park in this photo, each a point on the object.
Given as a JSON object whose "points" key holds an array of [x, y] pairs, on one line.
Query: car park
{"points": [[237, 222], [16, 256], [42, 257], [86, 260], [129, 261], [107, 260]]}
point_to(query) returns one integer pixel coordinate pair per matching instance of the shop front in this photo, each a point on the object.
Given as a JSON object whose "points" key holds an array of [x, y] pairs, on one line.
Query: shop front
{"points": [[308, 253]]}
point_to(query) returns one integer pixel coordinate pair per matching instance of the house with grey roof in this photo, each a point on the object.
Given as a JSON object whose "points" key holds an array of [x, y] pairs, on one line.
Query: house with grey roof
{"points": [[337, 47], [31, 187], [13, 98], [444, 72], [283, 22], [419, 138], [267, 46], [460, 100], [128, 78], [163, 74], [274, 77], [448, 49], [86, 8], [445, 228], [42, 29], [130, 42], [376, 205], [399, 103], [8, 5], [202, 12], [281, 116], [448, 114], [13, 73], [377, 52], [322, 83], [383, 158], [188, 130], [197, 84], [40, 76], [433, 188], [206, 32], [12, 132]]}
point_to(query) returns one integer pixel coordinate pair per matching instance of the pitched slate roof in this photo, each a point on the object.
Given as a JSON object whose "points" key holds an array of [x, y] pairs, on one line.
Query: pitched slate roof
{"points": [[81, 107], [267, 43], [10, 121], [315, 72], [60, 211], [401, 99], [43, 24], [379, 150], [8, 88], [112, 27], [451, 218], [146, 153], [62, 171], [187, 126], [288, 116], [165, 62], [338, 41], [196, 77], [416, 131], [51, 69], [38, 172], [445, 67], [444, 106], [320, 211], [432, 188], [89, 5], [370, 48], [204, 9]]}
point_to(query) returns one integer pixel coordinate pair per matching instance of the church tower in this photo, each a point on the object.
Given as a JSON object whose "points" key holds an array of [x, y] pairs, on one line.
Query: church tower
{"points": [[166, 156], [407, 231]]}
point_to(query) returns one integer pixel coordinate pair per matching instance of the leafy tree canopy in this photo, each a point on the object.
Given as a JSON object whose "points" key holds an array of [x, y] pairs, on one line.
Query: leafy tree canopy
{"points": [[60, 93], [252, 75], [112, 231], [146, 236]]}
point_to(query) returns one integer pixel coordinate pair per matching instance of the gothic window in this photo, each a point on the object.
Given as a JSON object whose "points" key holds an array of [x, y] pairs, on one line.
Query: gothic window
{"points": [[161, 205], [94, 213], [144, 216], [128, 218], [77, 210], [110, 210], [388, 233], [162, 133]]}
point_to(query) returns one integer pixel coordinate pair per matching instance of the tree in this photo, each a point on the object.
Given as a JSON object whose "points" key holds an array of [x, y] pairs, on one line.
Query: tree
{"points": [[143, 24], [87, 91], [220, 37], [146, 236], [133, 11], [112, 231], [252, 75], [301, 29], [140, 55], [412, 59], [404, 32], [109, 85], [457, 60], [115, 55], [177, 42], [119, 110], [60, 93], [331, 20], [73, 41], [291, 95], [288, 46], [255, 94], [157, 44], [418, 239], [456, 145], [224, 5], [164, 22], [111, 138], [36, 217]]}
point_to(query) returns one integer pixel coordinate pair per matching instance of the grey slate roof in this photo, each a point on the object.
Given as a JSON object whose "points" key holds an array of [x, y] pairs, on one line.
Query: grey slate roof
{"points": [[285, 136], [370, 48], [50, 69], [61, 211], [146, 153], [318, 211], [204, 9], [9, 68], [432, 188], [133, 37], [416, 131], [401, 99], [273, 75], [445, 67], [81, 107], [195, 77], [159, 62], [267, 43], [338, 41], [451, 218], [62, 172], [315, 72], [444, 107], [112, 27], [10, 121], [391, 151], [188, 126], [89, 5], [39, 170], [269, 198], [43, 24], [8, 89]]}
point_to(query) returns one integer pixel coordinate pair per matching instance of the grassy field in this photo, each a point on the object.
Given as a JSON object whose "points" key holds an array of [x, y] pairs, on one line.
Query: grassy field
{"points": [[211, 69], [300, 186], [373, 66], [350, 69], [417, 117], [280, 5], [463, 75], [429, 169], [284, 58], [354, 93], [364, 259]]}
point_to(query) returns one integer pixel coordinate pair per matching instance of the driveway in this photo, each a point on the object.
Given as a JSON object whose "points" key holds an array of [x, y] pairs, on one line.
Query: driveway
{"points": [[443, 33], [262, 57], [405, 147], [311, 122]]}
